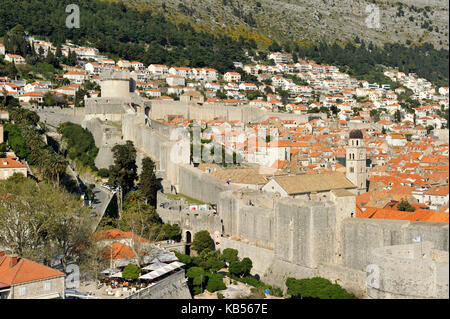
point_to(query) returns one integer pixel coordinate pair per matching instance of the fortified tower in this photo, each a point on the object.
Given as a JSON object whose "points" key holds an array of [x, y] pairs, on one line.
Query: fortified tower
{"points": [[116, 84], [355, 165]]}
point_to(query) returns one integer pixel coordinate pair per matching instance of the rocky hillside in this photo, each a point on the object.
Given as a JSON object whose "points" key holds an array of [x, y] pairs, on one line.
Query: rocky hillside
{"points": [[403, 21]]}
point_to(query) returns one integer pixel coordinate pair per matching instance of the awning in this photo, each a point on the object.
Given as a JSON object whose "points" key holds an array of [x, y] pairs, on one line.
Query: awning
{"points": [[154, 266], [161, 257], [110, 271], [161, 271], [116, 275], [124, 262]]}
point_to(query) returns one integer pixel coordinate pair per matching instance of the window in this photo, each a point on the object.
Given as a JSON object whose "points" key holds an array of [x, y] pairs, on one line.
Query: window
{"points": [[22, 291], [352, 170], [47, 286]]}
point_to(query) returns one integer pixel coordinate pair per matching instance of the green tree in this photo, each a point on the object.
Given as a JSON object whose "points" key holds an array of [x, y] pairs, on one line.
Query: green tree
{"points": [[168, 231], [202, 240], [246, 265], [316, 288], [229, 255], [148, 182], [197, 274], [405, 206], [397, 116], [185, 259], [103, 172], [236, 268], [79, 144], [124, 170], [39, 222], [16, 140], [215, 283], [214, 264], [131, 272]]}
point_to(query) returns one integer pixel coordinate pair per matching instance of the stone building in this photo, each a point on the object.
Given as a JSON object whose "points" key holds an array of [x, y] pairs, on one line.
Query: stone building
{"points": [[10, 165], [356, 170], [21, 278], [308, 186]]}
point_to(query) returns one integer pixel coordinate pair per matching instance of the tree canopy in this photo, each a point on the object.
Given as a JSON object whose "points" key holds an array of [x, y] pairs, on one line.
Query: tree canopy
{"points": [[202, 241], [131, 272], [148, 182], [124, 171], [80, 144], [316, 288], [39, 222]]}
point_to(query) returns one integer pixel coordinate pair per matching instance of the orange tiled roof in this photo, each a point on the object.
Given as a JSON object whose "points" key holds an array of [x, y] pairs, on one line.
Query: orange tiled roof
{"points": [[118, 251], [23, 270], [420, 215], [111, 234], [10, 162]]}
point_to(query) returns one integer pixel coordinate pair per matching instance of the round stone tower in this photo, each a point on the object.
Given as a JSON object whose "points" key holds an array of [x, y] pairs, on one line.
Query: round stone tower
{"points": [[115, 84]]}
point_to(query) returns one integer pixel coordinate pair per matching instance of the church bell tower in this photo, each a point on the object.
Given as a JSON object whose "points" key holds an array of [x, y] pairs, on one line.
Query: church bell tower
{"points": [[355, 166]]}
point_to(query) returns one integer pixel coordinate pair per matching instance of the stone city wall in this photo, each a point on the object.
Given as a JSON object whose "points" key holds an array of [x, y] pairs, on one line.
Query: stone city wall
{"points": [[361, 236], [300, 237], [245, 114], [172, 287], [56, 115], [399, 267]]}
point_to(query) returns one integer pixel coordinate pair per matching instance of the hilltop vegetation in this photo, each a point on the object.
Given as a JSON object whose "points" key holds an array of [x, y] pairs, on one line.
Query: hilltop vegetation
{"points": [[125, 33], [401, 21], [80, 144]]}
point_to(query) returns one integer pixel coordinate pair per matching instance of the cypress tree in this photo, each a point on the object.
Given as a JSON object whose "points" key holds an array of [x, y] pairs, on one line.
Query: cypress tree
{"points": [[148, 181]]}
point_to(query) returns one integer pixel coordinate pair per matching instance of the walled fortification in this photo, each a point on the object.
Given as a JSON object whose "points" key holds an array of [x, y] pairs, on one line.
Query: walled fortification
{"points": [[172, 287], [284, 237], [243, 113], [399, 267], [106, 136], [56, 115]]}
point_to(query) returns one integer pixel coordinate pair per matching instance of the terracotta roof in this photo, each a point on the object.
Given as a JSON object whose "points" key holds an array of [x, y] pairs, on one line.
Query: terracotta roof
{"points": [[118, 251], [15, 270], [438, 191], [297, 184], [241, 176], [10, 162], [418, 215], [111, 234]]}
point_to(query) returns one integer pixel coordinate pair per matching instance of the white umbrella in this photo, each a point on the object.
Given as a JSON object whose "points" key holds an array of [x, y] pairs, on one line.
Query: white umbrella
{"points": [[110, 271], [116, 275], [177, 264], [154, 266]]}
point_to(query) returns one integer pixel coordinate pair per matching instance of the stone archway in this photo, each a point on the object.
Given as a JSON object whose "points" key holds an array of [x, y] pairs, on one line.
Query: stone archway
{"points": [[147, 111], [188, 238]]}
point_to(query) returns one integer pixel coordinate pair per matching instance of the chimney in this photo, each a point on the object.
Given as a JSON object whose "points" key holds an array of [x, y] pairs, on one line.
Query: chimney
{"points": [[13, 261]]}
